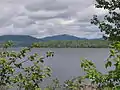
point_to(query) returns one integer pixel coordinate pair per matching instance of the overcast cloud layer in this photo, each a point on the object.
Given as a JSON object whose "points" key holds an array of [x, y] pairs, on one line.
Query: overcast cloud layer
{"points": [[41, 18]]}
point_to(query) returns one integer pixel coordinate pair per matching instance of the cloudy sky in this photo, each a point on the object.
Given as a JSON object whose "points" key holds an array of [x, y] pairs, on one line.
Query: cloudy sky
{"points": [[41, 18]]}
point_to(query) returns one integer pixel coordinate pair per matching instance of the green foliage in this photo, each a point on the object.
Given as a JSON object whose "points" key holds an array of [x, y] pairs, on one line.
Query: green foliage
{"points": [[111, 23], [69, 44], [111, 26], [15, 72], [75, 44], [55, 85], [91, 72], [112, 78], [72, 84]]}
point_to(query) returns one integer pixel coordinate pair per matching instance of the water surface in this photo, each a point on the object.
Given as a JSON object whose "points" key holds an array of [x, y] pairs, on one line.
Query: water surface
{"points": [[66, 61]]}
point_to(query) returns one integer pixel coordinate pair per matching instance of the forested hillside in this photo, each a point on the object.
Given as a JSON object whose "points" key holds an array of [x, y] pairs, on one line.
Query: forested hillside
{"points": [[59, 41]]}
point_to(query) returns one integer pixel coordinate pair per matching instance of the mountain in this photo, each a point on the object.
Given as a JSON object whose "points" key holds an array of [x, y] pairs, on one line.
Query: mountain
{"points": [[62, 37], [19, 40], [25, 40]]}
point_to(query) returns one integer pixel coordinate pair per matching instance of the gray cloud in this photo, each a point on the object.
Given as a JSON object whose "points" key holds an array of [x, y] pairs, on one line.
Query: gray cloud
{"points": [[42, 18], [48, 5]]}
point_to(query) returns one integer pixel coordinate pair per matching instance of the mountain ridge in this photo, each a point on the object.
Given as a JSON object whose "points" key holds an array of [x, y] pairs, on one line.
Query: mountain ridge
{"points": [[63, 37], [28, 38], [17, 38]]}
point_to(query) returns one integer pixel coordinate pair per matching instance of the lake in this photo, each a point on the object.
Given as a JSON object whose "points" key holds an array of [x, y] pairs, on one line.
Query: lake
{"points": [[66, 61]]}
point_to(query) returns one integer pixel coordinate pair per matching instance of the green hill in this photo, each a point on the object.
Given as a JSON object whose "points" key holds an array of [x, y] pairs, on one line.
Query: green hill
{"points": [[58, 41], [19, 40]]}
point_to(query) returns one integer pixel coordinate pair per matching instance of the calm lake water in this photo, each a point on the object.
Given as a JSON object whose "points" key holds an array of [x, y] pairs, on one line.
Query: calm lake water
{"points": [[66, 62]]}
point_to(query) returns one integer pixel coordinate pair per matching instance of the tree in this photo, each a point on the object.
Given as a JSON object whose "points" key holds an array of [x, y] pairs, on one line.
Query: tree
{"points": [[111, 26], [14, 71], [111, 23]]}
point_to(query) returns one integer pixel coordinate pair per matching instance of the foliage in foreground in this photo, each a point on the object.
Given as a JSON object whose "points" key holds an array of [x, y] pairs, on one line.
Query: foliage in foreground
{"points": [[72, 84], [112, 78], [110, 25], [22, 69]]}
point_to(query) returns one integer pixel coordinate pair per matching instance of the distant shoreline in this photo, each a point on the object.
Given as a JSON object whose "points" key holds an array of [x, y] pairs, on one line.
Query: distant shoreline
{"points": [[67, 44], [58, 41]]}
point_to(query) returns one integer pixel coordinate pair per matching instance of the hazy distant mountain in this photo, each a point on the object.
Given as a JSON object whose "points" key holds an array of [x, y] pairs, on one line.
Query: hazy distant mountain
{"points": [[25, 40], [62, 37], [17, 38]]}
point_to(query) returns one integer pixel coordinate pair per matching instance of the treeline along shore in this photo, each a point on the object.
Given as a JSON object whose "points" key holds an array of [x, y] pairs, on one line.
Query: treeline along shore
{"points": [[59, 41], [76, 44], [67, 44]]}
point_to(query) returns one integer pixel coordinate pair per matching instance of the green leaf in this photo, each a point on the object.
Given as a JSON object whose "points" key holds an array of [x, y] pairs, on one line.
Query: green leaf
{"points": [[108, 64]]}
